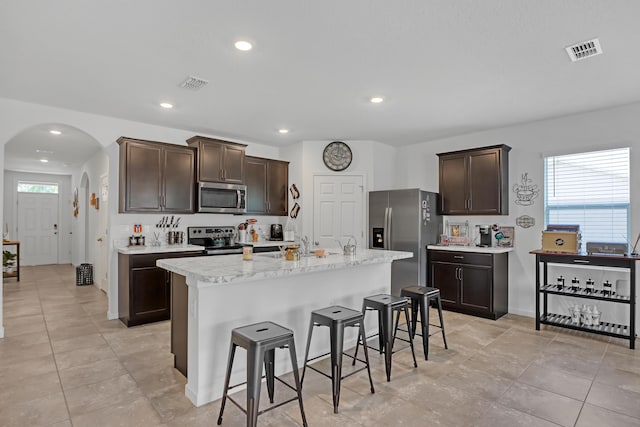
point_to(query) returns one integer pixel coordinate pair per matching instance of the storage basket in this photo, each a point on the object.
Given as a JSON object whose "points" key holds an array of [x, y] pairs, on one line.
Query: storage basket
{"points": [[84, 274]]}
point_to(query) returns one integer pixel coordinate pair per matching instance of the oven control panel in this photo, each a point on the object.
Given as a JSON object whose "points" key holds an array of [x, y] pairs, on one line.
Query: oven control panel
{"points": [[210, 232]]}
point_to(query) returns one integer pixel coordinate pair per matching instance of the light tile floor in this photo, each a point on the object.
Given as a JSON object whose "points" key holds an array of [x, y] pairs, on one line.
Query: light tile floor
{"points": [[63, 364]]}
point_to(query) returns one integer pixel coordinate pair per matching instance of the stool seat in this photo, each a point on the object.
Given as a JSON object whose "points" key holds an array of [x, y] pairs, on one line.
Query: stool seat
{"points": [[382, 300], [260, 340], [336, 313], [386, 305], [410, 291], [262, 333], [421, 297], [336, 318]]}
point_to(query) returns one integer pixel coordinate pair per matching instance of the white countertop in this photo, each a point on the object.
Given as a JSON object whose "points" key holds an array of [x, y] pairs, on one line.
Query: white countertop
{"points": [[477, 249], [135, 250], [231, 268]]}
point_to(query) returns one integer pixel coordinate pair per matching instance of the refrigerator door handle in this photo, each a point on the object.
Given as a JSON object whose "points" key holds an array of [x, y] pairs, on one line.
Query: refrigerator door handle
{"points": [[387, 241], [385, 233]]}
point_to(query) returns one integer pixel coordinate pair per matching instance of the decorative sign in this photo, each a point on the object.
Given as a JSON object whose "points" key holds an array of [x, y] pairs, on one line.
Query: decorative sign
{"points": [[75, 202], [104, 187], [526, 191], [525, 221]]}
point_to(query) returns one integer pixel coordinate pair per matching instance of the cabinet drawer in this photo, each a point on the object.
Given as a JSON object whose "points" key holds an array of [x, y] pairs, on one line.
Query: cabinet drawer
{"points": [[461, 257]]}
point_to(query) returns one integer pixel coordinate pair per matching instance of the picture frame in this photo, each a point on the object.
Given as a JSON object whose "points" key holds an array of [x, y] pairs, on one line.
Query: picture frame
{"points": [[458, 233]]}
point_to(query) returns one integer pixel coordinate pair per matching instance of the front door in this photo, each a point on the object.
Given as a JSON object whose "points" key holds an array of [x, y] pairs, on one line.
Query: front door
{"points": [[38, 228], [338, 202]]}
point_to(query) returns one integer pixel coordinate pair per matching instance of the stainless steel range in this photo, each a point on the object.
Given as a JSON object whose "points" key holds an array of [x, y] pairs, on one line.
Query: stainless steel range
{"points": [[217, 240]]}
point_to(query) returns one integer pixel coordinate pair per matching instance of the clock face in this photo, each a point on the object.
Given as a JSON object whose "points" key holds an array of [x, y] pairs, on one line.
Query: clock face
{"points": [[337, 156]]}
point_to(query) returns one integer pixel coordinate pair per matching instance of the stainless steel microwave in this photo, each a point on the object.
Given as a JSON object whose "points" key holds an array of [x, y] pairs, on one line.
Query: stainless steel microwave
{"points": [[222, 198]]}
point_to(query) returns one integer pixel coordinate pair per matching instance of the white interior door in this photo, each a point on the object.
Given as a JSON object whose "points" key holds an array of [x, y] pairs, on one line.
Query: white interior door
{"points": [[102, 263], [38, 228], [338, 202]]}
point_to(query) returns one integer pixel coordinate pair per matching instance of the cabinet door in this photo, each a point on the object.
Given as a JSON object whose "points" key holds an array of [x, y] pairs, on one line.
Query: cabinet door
{"points": [[141, 165], [485, 182], [256, 180], [233, 164], [210, 162], [445, 277], [149, 295], [179, 180], [476, 287], [453, 185], [277, 186]]}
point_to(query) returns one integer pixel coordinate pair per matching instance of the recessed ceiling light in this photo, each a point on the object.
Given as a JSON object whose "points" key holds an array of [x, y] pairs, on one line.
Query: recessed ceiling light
{"points": [[377, 99], [55, 132], [283, 131], [243, 45], [166, 105], [44, 160]]}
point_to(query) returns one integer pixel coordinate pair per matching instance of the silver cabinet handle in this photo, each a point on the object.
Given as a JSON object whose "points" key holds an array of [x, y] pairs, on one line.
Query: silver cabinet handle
{"points": [[581, 261], [458, 257]]}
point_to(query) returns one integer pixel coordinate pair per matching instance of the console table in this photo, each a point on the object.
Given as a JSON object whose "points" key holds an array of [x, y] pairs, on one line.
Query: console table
{"points": [[544, 289], [16, 273]]}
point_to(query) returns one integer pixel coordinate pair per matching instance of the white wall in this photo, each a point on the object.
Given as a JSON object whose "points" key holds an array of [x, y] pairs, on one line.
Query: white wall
{"points": [[417, 166], [371, 159], [95, 167], [10, 207]]}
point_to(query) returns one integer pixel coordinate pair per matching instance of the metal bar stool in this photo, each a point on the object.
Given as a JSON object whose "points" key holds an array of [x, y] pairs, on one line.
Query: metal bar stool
{"points": [[386, 305], [337, 318], [260, 340], [421, 297]]}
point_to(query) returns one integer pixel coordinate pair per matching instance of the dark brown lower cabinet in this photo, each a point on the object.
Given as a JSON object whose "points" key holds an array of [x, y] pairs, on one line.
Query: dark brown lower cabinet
{"points": [[470, 282], [144, 290], [179, 321]]}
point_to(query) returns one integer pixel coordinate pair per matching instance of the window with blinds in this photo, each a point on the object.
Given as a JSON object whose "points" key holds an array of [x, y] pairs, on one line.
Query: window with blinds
{"points": [[592, 190]]}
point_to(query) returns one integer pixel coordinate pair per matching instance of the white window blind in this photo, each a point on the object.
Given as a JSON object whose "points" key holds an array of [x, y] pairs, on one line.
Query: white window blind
{"points": [[592, 190]]}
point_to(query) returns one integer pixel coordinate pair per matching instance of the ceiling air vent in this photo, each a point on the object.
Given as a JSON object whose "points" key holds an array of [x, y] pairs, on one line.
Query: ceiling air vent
{"points": [[584, 50], [193, 83]]}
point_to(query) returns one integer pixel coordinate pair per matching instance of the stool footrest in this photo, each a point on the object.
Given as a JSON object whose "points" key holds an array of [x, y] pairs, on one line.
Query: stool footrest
{"points": [[438, 327], [342, 377], [276, 405]]}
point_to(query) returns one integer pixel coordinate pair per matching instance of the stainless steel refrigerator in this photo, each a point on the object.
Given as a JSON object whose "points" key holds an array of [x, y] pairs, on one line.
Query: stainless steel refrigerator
{"points": [[404, 220]]}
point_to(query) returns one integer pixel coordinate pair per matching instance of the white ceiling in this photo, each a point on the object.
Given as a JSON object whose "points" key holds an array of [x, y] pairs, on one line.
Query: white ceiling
{"points": [[443, 67], [65, 152]]}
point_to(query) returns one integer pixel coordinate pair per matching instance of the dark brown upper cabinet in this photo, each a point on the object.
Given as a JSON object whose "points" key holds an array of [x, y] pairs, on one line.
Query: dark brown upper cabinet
{"points": [[475, 182], [267, 183], [156, 177], [219, 161]]}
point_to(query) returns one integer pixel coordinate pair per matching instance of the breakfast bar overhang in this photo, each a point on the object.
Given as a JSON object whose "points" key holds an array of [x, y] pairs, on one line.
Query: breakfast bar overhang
{"points": [[224, 292]]}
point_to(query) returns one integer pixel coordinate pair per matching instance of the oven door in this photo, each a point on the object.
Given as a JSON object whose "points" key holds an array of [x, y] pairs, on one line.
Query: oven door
{"points": [[222, 198]]}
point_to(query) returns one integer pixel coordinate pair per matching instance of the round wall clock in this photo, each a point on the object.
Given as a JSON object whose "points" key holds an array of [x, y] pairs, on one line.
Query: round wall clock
{"points": [[337, 156]]}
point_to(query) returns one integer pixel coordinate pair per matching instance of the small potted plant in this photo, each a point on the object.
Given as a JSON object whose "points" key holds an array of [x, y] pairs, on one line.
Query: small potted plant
{"points": [[8, 261]]}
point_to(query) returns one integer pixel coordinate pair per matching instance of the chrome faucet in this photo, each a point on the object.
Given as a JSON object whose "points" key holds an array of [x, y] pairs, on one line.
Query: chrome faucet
{"points": [[305, 245]]}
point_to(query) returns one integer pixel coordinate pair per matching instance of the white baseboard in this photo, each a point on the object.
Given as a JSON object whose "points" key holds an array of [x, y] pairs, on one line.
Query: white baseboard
{"points": [[1, 331], [519, 312], [112, 316]]}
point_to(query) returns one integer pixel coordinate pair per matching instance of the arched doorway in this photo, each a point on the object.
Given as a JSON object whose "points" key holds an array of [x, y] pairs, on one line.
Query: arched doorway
{"points": [[73, 160]]}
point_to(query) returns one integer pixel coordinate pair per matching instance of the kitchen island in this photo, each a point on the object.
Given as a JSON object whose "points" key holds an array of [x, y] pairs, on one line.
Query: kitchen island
{"points": [[213, 295]]}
